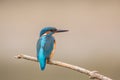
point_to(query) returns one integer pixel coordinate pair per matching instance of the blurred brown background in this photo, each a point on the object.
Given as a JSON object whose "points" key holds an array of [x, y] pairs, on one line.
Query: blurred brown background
{"points": [[93, 41]]}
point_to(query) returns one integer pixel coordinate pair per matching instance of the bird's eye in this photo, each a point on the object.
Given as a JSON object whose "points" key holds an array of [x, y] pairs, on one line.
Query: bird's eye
{"points": [[52, 30]]}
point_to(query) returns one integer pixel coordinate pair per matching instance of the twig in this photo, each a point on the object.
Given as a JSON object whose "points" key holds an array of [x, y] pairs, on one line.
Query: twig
{"points": [[91, 74]]}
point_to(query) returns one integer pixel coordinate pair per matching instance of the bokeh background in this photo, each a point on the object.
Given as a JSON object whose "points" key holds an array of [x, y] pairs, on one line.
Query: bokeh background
{"points": [[93, 40]]}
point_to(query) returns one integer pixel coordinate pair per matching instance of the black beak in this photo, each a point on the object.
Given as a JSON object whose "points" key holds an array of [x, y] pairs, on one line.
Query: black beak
{"points": [[61, 31]]}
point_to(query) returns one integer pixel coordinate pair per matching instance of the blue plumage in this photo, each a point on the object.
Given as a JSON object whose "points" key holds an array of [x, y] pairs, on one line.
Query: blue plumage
{"points": [[44, 49], [45, 45]]}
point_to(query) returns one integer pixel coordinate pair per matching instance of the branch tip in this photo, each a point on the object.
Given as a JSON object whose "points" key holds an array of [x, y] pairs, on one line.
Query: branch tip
{"points": [[19, 56]]}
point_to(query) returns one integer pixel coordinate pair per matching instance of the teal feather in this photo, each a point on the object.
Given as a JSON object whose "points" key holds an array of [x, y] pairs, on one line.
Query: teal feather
{"points": [[44, 48]]}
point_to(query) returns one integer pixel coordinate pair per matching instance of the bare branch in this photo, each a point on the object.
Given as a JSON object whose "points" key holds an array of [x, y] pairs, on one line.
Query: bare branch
{"points": [[91, 74]]}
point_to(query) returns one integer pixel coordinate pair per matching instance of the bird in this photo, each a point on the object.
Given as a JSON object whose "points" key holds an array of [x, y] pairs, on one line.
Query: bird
{"points": [[46, 45]]}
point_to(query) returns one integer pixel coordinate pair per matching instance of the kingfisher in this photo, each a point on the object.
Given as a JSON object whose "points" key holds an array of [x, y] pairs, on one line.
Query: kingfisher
{"points": [[46, 45]]}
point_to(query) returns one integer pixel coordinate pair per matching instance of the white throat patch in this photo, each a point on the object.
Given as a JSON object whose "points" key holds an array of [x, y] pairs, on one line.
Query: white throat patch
{"points": [[46, 33]]}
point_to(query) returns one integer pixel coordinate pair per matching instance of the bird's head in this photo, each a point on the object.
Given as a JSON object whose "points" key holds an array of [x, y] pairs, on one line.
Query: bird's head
{"points": [[50, 30]]}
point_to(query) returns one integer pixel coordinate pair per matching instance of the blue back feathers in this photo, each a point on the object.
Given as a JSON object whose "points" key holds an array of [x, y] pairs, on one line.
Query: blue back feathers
{"points": [[45, 46]]}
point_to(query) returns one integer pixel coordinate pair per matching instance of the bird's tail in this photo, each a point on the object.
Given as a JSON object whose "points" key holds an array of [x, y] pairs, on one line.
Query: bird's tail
{"points": [[42, 61]]}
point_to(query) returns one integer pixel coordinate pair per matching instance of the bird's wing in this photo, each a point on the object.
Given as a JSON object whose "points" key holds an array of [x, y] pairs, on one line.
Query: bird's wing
{"points": [[44, 49], [47, 44], [48, 47]]}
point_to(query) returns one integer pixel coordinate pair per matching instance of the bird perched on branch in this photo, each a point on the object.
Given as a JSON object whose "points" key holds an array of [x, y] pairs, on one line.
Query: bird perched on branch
{"points": [[46, 45]]}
